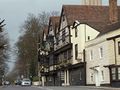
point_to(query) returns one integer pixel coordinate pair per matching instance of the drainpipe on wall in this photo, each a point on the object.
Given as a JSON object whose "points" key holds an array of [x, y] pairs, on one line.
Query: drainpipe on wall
{"points": [[85, 33], [84, 65], [115, 51]]}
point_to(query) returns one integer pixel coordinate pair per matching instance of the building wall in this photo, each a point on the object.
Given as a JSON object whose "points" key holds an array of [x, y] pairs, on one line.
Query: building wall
{"points": [[77, 76], [117, 53], [59, 33], [63, 27], [97, 61], [83, 32], [63, 22], [57, 81], [62, 44], [107, 59]]}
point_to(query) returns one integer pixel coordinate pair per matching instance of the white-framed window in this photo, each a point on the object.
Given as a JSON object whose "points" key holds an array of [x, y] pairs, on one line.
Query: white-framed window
{"points": [[101, 52], [91, 54], [119, 73], [76, 51], [62, 74], [102, 73], [113, 73], [80, 75]]}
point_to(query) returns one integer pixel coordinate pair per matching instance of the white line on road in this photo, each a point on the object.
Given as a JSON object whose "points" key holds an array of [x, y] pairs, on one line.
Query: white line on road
{"points": [[44, 88]]}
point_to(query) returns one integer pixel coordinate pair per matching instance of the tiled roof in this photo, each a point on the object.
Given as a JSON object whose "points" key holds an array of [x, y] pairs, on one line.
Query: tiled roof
{"points": [[110, 27], [45, 31], [55, 21], [95, 16]]}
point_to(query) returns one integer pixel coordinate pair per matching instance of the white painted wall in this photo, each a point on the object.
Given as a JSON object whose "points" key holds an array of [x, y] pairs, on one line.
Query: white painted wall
{"points": [[83, 32], [97, 61], [107, 59], [117, 54]]}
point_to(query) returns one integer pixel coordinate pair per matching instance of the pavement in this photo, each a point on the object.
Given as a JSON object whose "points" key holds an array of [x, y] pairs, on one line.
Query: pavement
{"points": [[104, 88]]}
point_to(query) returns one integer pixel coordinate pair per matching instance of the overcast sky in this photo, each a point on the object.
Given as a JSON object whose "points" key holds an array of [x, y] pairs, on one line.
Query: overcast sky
{"points": [[16, 11]]}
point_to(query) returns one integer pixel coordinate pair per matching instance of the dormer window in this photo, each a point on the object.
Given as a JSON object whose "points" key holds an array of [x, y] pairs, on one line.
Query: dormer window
{"points": [[91, 55]]}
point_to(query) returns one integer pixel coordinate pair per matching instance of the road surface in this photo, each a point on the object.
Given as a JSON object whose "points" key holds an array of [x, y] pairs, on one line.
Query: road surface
{"points": [[54, 88]]}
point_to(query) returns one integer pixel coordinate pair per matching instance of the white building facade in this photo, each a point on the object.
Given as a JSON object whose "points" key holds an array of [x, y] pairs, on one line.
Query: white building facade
{"points": [[100, 54]]}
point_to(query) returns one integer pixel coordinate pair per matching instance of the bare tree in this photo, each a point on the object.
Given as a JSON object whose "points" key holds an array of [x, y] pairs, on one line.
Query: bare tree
{"points": [[4, 46], [27, 44]]}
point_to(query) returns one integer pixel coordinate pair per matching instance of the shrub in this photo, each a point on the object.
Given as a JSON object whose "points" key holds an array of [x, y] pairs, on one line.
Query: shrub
{"points": [[35, 78]]}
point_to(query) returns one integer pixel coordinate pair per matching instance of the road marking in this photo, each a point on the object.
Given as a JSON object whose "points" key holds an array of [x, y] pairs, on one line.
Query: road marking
{"points": [[44, 88]]}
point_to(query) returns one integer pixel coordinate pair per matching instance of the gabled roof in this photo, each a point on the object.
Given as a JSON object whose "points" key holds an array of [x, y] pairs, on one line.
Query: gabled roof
{"points": [[86, 13], [45, 31], [55, 22], [110, 27], [95, 16]]}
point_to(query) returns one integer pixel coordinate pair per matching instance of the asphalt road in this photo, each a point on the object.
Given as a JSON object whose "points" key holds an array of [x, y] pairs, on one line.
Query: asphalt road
{"points": [[20, 88], [53, 88]]}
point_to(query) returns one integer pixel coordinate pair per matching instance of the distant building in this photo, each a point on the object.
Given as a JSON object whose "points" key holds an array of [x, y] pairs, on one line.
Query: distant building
{"points": [[92, 2]]}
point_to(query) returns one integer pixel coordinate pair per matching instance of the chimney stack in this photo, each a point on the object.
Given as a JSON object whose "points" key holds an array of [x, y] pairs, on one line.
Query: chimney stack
{"points": [[113, 11]]}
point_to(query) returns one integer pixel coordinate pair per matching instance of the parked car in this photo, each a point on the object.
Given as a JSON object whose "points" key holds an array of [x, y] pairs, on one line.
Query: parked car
{"points": [[17, 82], [26, 82], [6, 83]]}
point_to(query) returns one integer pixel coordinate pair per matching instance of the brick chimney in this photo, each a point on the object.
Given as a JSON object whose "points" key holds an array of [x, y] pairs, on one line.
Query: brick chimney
{"points": [[113, 11]]}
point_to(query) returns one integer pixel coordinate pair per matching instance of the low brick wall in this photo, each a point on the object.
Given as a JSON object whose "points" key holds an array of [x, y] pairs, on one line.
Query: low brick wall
{"points": [[37, 83]]}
